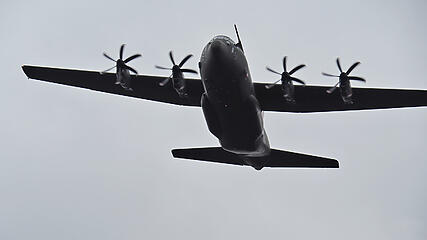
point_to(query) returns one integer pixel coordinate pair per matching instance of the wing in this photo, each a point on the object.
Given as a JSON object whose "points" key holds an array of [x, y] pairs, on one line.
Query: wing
{"points": [[145, 87], [315, 99]]}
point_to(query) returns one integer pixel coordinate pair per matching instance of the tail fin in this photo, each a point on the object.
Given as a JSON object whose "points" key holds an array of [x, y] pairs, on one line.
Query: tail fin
{"points": [[277, 158]]}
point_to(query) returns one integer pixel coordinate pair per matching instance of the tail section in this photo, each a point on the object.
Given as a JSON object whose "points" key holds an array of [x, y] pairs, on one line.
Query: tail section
{"points": [[276, 158]]}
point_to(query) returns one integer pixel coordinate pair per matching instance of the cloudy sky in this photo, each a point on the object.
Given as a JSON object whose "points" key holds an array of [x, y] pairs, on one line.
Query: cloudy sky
{"points": [[76, 164]]}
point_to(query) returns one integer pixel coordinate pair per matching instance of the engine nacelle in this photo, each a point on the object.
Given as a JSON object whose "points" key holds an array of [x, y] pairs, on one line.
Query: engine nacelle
{"points": [[288, 90], [346, 91], [123, 78]]}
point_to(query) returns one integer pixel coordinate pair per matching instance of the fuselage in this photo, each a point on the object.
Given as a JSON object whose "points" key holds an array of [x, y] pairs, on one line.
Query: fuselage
{"points": [[229, 104]]}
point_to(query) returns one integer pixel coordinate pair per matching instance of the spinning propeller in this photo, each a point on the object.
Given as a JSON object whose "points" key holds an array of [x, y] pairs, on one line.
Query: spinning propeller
{"points": [[176, 69], [120, 63], [286, 76], [343, 77]]}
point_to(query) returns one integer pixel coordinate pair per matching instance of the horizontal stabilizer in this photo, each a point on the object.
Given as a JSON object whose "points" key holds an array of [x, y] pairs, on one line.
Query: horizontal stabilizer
{"points": [[277, 158]]}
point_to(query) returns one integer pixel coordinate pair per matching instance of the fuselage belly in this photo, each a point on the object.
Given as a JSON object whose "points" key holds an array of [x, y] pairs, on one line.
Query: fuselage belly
{"points": [[230, 106]]}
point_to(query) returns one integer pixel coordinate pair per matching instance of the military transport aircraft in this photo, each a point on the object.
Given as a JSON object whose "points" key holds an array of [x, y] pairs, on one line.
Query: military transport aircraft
{"points": [[232, 104]]}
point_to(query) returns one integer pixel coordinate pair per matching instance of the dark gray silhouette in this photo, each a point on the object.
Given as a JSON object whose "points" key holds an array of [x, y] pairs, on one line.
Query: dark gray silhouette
{"points": [[232, 104]]}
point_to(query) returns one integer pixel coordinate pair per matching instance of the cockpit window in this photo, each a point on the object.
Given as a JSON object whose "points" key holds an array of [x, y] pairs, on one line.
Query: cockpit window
{"points": [[226, 39]]}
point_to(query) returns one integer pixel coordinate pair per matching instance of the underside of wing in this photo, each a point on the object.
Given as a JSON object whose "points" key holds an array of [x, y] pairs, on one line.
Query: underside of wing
{"points": [[316, 99], [144, 87]]}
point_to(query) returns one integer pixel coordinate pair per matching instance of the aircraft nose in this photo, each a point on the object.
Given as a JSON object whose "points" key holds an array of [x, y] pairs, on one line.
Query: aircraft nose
{"points": [[217, 48]]}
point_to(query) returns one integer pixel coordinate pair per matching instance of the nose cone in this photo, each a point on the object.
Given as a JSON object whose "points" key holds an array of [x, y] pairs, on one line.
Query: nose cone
{"points": [[217, 48]]}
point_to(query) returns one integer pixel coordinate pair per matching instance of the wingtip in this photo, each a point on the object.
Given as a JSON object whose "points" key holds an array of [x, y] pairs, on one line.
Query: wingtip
{"points": [[25, 68], [337, 164], [174, 152]]}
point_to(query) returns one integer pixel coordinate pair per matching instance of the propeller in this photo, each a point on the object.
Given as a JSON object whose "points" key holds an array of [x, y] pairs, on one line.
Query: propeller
{"points": [[343, 75], [120, 63], [176, 68], [286, 76]]}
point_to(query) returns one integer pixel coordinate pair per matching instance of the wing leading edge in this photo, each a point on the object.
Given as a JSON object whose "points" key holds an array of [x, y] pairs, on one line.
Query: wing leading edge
{"points": [[144, 87], [316, 99]]}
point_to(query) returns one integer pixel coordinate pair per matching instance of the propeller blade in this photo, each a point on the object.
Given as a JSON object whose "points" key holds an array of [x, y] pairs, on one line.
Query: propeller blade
{"points": [[339, 65], [171, 57], [105, 55], [130, 69], [331, 90], [298, 80], [164, 82], [296, 69], [329, 75], [189, 70], [164, 68], [357, 78], [105, 71], [352, 67], [272, 85], [284, 63], [185, 60], [271, 70], [132, 58], [122, 47]]}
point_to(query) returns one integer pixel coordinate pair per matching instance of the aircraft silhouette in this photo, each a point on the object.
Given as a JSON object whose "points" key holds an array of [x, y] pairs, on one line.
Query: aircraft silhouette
{"points": [[232, 104]]}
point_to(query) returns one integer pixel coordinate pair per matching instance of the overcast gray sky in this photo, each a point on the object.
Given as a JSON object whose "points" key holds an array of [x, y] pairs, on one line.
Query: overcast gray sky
{"points": [[76, 164]]}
